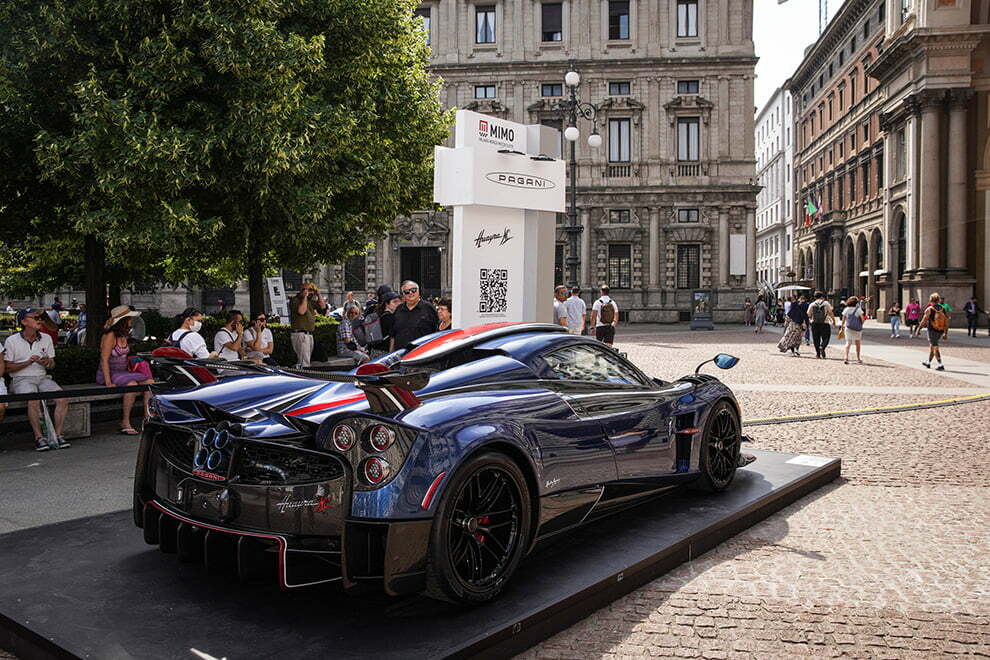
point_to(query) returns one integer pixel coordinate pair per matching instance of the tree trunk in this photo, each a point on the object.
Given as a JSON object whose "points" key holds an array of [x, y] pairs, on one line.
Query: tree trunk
{"points": [[113, 292], [96, 290], [256, 279]]}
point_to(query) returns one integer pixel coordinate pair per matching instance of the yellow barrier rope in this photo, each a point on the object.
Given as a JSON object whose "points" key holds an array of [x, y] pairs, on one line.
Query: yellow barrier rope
{"points": [[905, 407]]}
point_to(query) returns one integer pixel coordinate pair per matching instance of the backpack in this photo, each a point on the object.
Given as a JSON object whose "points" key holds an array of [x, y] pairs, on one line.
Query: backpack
{"points": [[818, 313], [854, 321], [607, 315], [177, 342], [357, 327], [938, 320], [372, 328]]}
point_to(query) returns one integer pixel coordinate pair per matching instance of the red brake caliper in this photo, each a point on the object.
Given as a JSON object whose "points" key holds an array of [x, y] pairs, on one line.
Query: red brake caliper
{"points": [[478, 536]]}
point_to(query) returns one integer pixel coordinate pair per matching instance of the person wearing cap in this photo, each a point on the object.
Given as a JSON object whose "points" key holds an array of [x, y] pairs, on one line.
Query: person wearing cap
{"points": [[187, 338], [28, 355], [577, 312], [117, 368]]}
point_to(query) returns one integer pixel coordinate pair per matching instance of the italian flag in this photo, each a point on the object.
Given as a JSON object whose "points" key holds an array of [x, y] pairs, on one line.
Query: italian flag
{"points": [[809, 210]]}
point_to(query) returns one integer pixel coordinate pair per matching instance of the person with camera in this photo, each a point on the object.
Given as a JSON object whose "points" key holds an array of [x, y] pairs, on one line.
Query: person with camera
{"points": [[228, 343], [302, 319], [258, 341]]}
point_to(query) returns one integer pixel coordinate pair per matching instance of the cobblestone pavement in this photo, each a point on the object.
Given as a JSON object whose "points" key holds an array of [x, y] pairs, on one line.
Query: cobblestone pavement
{"points": [[887, 562]]}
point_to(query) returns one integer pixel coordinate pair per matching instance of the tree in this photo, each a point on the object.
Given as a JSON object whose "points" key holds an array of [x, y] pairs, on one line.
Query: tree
{"points": [[213, 140]]}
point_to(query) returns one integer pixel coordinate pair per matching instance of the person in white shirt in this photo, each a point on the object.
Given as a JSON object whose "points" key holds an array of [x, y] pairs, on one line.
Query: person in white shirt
{"points": [[258, 341], [559, 310], [228, 342], [28, 356], [605, 316], [577, 312], [187, 337]]}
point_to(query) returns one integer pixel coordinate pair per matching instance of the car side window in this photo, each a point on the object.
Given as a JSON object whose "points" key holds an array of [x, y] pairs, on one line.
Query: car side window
{"points": [[590, 364]]}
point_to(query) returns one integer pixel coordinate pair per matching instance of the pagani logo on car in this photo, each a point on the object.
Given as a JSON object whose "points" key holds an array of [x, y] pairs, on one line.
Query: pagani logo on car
{"points": [[553, 482], [515, 180], [319, 505], [485, 239]]}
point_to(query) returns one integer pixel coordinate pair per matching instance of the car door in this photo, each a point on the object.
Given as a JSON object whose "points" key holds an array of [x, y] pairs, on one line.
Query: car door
{"points": [[633, 412]]}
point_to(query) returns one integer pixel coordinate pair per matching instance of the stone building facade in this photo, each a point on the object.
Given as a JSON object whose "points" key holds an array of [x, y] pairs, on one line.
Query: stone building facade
{"points": [[774, 202], [667, 204], [839, 156]]}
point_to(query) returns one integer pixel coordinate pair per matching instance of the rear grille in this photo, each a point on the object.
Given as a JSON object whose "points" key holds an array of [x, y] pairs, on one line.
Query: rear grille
{"points": [[176, 446], [265, 465]]}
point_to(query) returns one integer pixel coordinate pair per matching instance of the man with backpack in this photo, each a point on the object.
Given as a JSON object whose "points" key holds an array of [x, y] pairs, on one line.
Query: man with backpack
{"points": [[605, 316], [936, 319], [821, 314]]}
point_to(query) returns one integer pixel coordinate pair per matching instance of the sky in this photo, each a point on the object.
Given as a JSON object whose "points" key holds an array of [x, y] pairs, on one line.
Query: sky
{"points": [[781, 32]]}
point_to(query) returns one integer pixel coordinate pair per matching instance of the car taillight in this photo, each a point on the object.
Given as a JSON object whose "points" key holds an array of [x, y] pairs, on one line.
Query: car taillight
{"points": [[375, 470], [344, 437], [381, 437]]}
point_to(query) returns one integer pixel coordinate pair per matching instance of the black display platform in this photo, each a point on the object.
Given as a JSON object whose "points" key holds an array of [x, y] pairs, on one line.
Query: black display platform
{"points": [[92, 588]]}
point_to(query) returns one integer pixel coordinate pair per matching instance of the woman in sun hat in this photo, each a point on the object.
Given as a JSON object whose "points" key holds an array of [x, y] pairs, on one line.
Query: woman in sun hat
{"points": [[117, 368]]}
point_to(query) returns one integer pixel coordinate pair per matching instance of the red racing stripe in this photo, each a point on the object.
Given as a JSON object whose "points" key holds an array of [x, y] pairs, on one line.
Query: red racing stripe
{"points": [[316, 407]]}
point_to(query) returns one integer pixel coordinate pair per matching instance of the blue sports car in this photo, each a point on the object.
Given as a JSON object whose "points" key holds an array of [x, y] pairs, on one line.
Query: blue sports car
{"points": [[434, 469]]}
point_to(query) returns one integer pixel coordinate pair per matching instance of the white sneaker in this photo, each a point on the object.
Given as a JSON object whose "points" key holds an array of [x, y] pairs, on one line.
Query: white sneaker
{"points": [[940, 367], [928, 365]]}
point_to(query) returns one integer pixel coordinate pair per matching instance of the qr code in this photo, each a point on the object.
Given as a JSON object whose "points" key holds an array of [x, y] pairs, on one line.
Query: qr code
{"points": [[493, 291]]}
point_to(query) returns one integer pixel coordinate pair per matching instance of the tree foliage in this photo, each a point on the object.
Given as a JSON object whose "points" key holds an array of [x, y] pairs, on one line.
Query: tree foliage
{"points": [[201, 139]]}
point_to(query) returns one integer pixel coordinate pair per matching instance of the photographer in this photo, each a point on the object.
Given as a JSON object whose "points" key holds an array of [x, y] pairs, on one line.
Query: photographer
{"points": [[258, 341], [228, 342], [302, 318]]}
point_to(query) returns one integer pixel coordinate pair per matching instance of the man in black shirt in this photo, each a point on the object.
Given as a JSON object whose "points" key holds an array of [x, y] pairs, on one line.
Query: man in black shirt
{"points": [[414, 318]]}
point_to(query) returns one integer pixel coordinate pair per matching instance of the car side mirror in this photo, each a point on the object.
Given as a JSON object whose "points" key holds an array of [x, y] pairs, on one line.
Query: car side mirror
{"points": [[725, 361]]}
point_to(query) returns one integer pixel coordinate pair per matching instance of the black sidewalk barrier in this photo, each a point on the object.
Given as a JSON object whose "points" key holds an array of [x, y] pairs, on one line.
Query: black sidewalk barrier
{"points": [[70, 393]]}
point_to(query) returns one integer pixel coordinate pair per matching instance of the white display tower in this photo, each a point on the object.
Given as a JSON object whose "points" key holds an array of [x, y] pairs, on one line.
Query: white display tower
{"points": [[506, 183]]}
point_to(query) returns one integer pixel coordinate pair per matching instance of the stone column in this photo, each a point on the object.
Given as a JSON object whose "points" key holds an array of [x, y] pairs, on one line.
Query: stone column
{"points": [[750, 249], [857, 284], [929, 182], [836, 260], [956, 193], [723, 248], [585, 265], [655, 257]]}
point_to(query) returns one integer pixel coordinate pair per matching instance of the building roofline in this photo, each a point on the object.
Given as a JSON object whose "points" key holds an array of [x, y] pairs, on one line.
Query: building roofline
{"points": [[816, 55], [766, 106]]}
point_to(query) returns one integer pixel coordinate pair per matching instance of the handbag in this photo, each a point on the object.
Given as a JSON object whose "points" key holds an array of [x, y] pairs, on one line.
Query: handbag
{"points": [[842, 333]]}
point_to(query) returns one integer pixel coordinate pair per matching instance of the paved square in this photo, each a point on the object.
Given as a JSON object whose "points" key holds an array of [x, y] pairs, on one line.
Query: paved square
{"points": [[890, 561]]}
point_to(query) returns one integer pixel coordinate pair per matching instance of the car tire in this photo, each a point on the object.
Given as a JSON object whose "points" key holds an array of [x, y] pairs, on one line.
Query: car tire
{"points": [[472, 557], [718, 456]]}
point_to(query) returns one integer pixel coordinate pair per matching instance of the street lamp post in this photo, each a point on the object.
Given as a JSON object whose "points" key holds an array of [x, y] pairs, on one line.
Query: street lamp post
{"points": [[569, 110]]}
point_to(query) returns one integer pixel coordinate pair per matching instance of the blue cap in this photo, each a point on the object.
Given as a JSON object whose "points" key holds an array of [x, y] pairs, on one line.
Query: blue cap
{"points": [[24, 312]]}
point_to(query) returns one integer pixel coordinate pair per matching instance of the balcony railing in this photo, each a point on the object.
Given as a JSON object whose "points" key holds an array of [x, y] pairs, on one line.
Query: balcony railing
{"points": [[618, 171], [692, 169]]}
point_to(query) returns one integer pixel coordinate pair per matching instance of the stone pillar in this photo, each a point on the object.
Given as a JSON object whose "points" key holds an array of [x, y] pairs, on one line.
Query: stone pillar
{"points": [[871, 278], [585, 265], [857, 284], [387, 261], [723, 248], [836, 260], [750, 249], [956, 192], [655, 256], [929, 182]]}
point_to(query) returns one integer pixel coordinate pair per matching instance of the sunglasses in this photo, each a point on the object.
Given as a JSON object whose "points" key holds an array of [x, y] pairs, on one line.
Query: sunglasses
{"points": [[262, 319], [406, 292], [33, 316]]}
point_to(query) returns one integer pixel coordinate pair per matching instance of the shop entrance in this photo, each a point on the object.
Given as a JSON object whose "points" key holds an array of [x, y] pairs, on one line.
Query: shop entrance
{"points": [[421, 265]]}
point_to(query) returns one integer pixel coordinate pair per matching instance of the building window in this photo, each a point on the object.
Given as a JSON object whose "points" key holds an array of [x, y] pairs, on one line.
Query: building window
{"points": [[900, 155], [618, 140], [618, 19], [552, 22], [619, 215], [688, 266], [866, 29], [842, 98], [879, 173], [852, 140], [687, 86], [688, 138], [852, 187], [852, 89], [484, 91], [905, 9], [687, 215], [552, 89], [484, 24], [424, 17], [866, 133], [354, 273], [687, 18], [866, 180], [558, 264], [618, 88], [620, 266]]}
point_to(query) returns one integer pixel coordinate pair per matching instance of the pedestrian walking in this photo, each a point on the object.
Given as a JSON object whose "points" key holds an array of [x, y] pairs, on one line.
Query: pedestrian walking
{"points": [[912, 316], [852, 328], [303, 308], [413, 319], [822, 319], [187, 338], [559, 309], [936, 319], [118, 368], [577, 312], [228, 343], [760, 314], [797, 320], [973, 310], [28, 356], [894, 316], [604, 317], [443, 313], [749, 313]]}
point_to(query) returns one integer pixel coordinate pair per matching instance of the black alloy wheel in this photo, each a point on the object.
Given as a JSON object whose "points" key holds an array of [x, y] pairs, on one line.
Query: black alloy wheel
{"points": [[720, 447], [480, 532]]}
